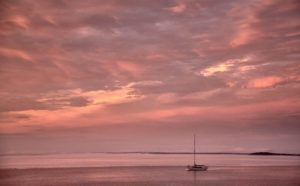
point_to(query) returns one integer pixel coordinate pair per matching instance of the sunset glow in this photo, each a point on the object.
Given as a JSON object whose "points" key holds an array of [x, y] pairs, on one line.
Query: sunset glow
{"points": [[146, 75]]}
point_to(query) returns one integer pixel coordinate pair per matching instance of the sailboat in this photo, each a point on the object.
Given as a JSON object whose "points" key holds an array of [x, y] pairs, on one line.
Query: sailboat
{"points": [[196, 167]]}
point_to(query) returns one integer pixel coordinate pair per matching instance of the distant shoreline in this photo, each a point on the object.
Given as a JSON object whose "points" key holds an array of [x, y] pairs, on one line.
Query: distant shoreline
{"points": [[213, 153], [272, 154], [162, 153]]}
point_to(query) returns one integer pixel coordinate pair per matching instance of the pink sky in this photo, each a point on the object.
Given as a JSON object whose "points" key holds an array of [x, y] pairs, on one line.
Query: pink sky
{"points": [[115, 75]]}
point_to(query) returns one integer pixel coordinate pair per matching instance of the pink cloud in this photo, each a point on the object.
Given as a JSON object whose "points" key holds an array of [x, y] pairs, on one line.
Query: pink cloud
{"points": [[16, 53], [245, 32], [265, 82], [21, 21], [179, 8]]}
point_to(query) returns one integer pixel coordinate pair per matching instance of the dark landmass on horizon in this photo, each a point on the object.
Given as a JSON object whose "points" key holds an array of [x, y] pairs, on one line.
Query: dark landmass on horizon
{"points": [[273, 154], [215, 153]]}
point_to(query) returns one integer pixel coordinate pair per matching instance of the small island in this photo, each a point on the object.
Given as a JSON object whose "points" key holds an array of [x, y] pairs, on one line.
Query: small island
{"points": [[273, 154]]}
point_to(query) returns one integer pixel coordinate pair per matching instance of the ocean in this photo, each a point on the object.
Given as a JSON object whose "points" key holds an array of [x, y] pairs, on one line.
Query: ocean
{"points": [[147, 169]]}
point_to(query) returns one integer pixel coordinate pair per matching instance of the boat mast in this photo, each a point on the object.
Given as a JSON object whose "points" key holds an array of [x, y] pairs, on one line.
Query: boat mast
{"points": [[194, 149]]}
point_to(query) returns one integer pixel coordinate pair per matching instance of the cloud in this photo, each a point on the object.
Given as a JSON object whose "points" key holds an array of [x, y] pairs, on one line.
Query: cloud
{"points": [[15, 53], [264, 82], [238, 65], [13, 117], [11, 104], [179, 8], [67, 65], [218, 68]]}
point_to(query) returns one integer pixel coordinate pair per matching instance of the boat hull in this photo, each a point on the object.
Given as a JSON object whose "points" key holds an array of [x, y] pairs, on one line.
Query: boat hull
{"points": [[197, 168]]}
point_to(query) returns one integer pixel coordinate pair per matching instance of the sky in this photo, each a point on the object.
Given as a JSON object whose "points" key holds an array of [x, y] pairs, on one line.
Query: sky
{"points": [[145, 75]]}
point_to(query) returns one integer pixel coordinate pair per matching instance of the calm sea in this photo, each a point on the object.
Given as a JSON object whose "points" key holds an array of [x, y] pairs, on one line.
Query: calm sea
{"points": [[111, 160]]}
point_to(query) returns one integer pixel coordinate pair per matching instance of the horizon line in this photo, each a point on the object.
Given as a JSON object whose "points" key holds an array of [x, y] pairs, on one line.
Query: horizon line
{"points": [[159, 152]]}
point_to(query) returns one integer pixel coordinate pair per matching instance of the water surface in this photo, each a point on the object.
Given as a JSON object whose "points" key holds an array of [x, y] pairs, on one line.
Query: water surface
{"points": [[147, 170], [108, 160]]}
